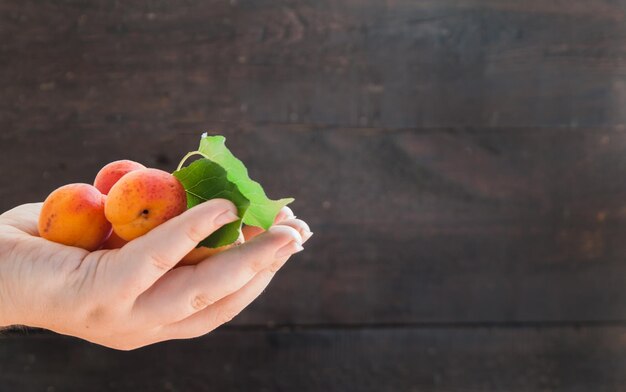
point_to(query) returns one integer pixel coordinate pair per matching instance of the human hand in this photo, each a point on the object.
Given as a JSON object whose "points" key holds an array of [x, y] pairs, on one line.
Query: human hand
{"points": [[131, 297]]}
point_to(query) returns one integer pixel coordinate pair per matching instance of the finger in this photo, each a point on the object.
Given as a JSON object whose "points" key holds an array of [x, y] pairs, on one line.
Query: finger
{"points": [[284, 213], [189, 289], [23, 218], [199, 254], [221, 312], [249, 232], [150, 256], [301, 226]]}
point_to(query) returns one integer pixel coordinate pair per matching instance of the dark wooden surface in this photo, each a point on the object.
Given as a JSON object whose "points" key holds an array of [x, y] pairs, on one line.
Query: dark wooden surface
{"points": [[463, 164], [400, 63], [376, 360]]}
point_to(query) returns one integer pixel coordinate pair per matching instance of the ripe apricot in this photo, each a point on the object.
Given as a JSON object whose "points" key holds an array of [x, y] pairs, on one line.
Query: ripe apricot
{"points": [[201, 253], [142, 200], [112, 172], [198, 254], [114, 242], [74, 215]]}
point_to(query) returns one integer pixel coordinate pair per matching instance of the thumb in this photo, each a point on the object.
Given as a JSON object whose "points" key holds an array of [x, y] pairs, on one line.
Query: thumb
{"points": [[23, 218], [156, 252]]}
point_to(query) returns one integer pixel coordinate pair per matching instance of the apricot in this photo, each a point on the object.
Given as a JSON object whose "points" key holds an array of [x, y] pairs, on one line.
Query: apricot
{"points": [[201, 253], [74, 215], [114, 242], [112, 172], [143, 199]]}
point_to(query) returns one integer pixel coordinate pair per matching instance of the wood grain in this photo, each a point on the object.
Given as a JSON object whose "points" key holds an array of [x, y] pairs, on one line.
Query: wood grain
{"points": [[152, 65], [448, 359], [412, 226], [460, 161]]}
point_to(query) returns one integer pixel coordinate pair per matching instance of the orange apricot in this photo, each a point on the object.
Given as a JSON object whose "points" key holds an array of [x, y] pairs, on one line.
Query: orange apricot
{"points": [[199, 254], [112, 172], [74, 215], [114, 242], [143, 199]]}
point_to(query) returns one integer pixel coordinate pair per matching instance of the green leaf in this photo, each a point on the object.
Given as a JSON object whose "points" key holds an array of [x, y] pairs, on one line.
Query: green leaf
{"points": [[205, 180], [262, 210]]}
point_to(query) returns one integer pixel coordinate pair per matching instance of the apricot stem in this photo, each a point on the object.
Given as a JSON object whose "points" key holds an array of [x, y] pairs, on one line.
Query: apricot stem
{"points": [[189, 155]]}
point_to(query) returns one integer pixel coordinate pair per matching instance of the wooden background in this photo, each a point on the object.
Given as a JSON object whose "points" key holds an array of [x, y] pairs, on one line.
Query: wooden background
{"points": [[462, 163]]}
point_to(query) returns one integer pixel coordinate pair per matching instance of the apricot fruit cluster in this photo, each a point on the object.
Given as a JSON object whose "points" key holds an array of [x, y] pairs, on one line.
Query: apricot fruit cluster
{"points": [[126, 201]]}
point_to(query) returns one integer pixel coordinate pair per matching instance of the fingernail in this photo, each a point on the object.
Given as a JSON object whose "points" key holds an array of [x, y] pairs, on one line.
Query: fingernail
{"points": [[307, 235], [289, 212], [295, 234], [225, 217], [289, 249]]}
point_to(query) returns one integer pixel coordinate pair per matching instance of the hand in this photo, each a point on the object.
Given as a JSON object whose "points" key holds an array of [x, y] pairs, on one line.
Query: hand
{"points": [[131, 297]]}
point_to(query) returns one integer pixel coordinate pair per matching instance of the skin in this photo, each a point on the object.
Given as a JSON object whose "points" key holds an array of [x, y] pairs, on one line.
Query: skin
{"points": [[112, 172], [74, 215], [142, 200], [132, 297], [248, 232]]}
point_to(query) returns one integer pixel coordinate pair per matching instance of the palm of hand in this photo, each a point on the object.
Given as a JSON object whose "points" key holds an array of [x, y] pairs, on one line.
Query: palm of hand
{"points": [[130, 297]]}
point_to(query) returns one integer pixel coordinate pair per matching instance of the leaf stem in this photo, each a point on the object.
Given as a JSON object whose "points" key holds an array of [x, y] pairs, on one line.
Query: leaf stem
{"points": [[189, 155]]}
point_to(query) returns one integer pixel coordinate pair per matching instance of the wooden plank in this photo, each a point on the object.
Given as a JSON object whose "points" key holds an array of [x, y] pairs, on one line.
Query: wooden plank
{"points": [[151, 65], [411, 227], [449, 359]]}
